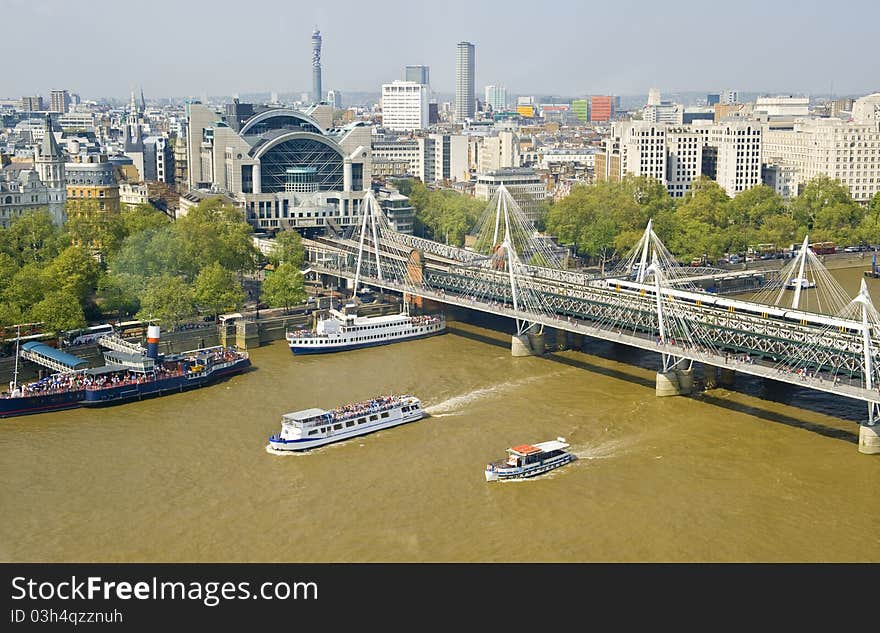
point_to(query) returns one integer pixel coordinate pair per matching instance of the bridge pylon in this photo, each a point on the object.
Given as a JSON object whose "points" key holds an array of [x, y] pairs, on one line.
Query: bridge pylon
{"points": [[869, 431], [677, 375]]}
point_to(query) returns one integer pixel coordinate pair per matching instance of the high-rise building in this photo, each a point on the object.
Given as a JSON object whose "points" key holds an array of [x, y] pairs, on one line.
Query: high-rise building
{"points": [[418, 74], [496, 96], [581, 109], [729, 97], [783, 106], [317, 93], [32, 104], [713, 98], [464, 82], [738, 145], [654, 97], [58, 101], [664, 112], [404, 106], [334, 98], [601, 108]]}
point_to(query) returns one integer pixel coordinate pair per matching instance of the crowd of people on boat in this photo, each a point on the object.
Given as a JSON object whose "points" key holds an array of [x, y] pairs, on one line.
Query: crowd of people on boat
{"points": [[427, 319], [360, 408]]}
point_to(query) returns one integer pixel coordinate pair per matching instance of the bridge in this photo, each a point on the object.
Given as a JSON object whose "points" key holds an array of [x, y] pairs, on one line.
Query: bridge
{"points": [[648, 302]]}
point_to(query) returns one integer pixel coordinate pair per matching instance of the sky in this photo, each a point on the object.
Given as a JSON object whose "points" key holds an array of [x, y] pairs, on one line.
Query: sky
{"points": [[179, 48]]}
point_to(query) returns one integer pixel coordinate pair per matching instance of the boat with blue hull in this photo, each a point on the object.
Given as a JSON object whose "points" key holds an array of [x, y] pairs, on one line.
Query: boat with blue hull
{"points": [[130, 373], [341, 332], [193, 370]]}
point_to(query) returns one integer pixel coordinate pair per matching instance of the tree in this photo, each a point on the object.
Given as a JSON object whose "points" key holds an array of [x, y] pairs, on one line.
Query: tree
{"points": [[60, 310], [284, 287], [822, 194], [214, 232], [23, 291], [288, 248], [73, 270], [167, 298], [217, 290], [31, 237], [753, 207], [118, 293]]}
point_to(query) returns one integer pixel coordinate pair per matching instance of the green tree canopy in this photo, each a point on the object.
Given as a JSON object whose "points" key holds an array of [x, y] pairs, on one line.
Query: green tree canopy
{"points": [[284, 287], [288, 248], [168, 299], [217, 290], [73, 270], [60, 310], [824, 201]]}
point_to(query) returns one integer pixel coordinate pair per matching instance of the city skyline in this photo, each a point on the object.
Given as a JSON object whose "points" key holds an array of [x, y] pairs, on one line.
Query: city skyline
{"points": [[569, 56]]}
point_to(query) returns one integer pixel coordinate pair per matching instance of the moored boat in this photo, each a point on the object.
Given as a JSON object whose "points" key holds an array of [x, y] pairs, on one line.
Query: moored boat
{"points": [[129, 373], [341, 331], [529, 460], [311, 428]]}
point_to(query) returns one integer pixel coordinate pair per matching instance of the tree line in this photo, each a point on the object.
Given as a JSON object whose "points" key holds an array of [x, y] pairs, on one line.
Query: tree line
{"points": [[138, 263], [605, 220]]}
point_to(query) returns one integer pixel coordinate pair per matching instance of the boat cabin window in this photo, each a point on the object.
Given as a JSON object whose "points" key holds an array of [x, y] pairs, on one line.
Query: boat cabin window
{"points": [[313, 432], [385, 414], [373, 418], [349, 423], [512, 461], [404, 409], [336, 427], [362, 420]]}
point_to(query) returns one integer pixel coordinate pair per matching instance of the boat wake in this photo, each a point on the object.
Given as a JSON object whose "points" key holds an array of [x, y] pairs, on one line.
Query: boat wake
{"points": [[453, 405], [603, 450]]}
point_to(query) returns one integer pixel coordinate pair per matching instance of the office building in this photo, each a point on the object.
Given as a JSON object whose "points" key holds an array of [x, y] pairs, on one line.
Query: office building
{"points": [[465, 98], [334, 98], [498, 152], [713, 98], [848, 151], [524, 184], [496, 97], [785, 106], [418, 74], [664, 112], [729, 97], [92, 190], [59, 100], [404, 106], [32, 104], [601, 108], [581, 109], [738, 145]]}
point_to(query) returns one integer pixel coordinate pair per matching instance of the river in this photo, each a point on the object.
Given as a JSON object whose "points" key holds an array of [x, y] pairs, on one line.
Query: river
{"points": [[758, 472]]}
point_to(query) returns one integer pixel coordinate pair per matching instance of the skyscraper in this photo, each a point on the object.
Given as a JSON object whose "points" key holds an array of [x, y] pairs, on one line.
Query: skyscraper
{"points": [[464, 82], [418, 74], [317, 93]]}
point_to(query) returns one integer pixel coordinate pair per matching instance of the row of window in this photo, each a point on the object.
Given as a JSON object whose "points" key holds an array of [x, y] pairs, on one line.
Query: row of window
{"points": [[348, 424]]}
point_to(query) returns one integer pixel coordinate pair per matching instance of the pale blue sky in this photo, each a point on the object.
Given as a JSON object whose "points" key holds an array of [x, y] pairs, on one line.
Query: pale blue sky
{"points": [[180, 48]]}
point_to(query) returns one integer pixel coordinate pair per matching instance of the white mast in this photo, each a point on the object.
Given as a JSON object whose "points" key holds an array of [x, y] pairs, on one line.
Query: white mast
{"points": [[15, 372], [640, 276], [798, 282]]}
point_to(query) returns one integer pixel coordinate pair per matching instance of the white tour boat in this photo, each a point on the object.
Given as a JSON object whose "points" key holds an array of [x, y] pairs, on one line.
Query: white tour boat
{"points": [[803, 282], [310, 428], [341, 331], [528, 460]]}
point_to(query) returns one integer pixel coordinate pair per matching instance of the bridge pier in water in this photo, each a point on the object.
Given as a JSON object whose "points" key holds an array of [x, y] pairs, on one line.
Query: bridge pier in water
{"points": [[869, 439], [675, 382], [530, 344]]}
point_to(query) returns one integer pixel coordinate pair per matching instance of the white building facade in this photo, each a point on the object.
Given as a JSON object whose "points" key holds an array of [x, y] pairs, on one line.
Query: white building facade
{"points": [[404, 106]]}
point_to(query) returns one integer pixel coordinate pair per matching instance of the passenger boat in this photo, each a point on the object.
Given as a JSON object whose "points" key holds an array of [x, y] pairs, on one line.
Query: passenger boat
{"points": [[803, 282], [528, 460], [310, 428], [129, 373], [341, 331]]}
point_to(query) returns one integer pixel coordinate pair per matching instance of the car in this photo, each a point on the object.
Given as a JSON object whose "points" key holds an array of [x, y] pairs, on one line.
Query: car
{"points": [[851, 249], [733, 259]]}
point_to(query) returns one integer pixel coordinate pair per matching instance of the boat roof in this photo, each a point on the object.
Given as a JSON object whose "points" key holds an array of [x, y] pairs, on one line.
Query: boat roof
{"points": [[545, 447], [524, 449], [305, 414], [68, 360]]}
